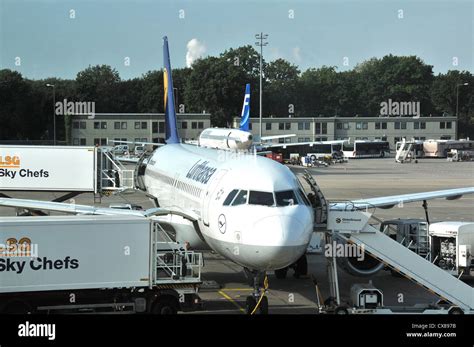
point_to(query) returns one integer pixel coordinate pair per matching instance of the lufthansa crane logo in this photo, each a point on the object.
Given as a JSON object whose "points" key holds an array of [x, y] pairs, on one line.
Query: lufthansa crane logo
{"points": [[222, 224]]}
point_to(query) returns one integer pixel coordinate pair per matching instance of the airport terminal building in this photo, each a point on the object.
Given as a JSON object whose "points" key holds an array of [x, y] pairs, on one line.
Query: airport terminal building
{"points": [[150, 127], [391, 129], [146, 127]]}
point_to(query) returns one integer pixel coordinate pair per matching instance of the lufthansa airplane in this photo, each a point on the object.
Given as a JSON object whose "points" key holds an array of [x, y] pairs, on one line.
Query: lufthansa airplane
{"points": [[249, 209]]}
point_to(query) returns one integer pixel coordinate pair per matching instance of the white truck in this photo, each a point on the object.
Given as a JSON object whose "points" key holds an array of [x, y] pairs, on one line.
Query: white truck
{"points": [[94, 264], [61, 169], [452, 247]]}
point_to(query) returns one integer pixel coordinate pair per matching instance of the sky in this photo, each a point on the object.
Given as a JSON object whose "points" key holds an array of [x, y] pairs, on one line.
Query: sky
{"points": [[59, 38]]}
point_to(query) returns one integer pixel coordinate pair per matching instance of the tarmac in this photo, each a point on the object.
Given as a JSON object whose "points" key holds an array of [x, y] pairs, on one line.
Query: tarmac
{"points": [[226, 286]]}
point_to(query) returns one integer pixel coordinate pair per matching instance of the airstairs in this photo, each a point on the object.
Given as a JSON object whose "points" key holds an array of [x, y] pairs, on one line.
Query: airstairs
{"points": [[406, 152], [345, 222], [399, 257]]}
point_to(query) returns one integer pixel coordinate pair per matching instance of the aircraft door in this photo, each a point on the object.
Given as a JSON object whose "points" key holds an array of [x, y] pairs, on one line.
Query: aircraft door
{"points": [[209, 193]]}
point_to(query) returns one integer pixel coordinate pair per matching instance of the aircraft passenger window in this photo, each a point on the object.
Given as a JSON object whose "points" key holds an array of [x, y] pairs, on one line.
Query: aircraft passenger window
{"points": [[261, 198], [230, 197], [241, 198], [286, 198]]}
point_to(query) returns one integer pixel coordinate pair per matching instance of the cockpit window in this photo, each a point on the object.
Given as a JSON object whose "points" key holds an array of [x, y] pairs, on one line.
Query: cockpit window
{"points": [[286, 198], [230, 197], [303, 197], [261, 198], [241, 198]]}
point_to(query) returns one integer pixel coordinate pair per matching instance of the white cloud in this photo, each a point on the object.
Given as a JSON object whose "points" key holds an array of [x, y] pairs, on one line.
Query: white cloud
{"points": [[297, 54], [196, 50]]}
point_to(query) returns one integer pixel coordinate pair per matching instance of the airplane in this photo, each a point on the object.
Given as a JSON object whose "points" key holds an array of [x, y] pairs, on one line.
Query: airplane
{"points": [[235, 139], [247, 208]]}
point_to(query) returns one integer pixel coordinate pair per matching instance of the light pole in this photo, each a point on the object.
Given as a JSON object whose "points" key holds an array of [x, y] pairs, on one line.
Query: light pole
{"points": [[54, 111], [261, 43]]}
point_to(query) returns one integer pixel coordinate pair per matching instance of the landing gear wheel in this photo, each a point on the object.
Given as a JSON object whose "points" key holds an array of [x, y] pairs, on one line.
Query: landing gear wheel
{"points": [[301, 268], [250, 304], [263, 308], [281, 273]]}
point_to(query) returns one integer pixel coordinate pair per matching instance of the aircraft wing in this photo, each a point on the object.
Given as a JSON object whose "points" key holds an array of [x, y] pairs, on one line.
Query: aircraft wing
{"points": [[284, 145], [274, 137], [138, 143], [393, 200], [76, 209]]}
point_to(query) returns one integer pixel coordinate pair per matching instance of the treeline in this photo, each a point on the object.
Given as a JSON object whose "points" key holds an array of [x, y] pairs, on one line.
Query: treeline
{"points": [[216, 85]]}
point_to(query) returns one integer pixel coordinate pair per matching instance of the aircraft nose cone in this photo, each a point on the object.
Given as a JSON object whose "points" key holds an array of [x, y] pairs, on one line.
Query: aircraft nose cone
{"points": [[280, 247]]}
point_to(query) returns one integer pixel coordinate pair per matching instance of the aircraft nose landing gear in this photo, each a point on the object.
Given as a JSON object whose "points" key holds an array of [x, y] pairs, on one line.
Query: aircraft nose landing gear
{"points": [[258, 301]]}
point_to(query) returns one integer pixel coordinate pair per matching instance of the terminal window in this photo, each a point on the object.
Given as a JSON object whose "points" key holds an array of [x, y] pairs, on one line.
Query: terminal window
{"points": [[184, 125], [445, 125], [194, 125], [287, 126], [380, 125], [250, 125], [200, 125], [137, 125], [161, 127], [124, 125], [268, 126], [117, 125], [419, 125], [400, 125]]}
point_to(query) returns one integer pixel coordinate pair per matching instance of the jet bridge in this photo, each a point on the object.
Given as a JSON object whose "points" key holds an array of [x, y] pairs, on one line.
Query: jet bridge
{"points": [[353, 226]]}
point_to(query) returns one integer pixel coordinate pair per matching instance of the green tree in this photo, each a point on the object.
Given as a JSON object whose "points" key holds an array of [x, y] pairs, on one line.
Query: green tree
{"points": [[100, 84], [281, 90], [443, 96]]}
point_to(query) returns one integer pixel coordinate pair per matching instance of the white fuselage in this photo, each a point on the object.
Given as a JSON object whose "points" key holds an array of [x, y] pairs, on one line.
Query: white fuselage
{"points": [[223, 138], [249, 209]]}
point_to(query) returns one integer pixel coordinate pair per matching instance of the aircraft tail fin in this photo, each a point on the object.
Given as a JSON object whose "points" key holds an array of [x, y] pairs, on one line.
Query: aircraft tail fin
{"points": [[245, 116], [170, 112]]}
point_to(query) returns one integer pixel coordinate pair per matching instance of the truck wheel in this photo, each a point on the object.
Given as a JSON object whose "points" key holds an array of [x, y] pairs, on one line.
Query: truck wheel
{"points": [[341, 310], [456, 310], [165, 306], [17, 307], [281, 273]]}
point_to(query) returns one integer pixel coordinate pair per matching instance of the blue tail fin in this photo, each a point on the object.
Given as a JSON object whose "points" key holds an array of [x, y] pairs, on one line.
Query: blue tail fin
{"points": [[245, 116], [170, 113]]}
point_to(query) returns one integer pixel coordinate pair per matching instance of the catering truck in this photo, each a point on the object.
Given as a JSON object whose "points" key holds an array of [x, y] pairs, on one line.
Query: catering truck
{"points": [[452, 247], [89, 263], [77, 169]]}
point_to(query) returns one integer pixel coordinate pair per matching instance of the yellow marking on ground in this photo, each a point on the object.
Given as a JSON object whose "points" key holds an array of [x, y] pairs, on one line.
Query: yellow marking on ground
{"points": [[231, 300]]}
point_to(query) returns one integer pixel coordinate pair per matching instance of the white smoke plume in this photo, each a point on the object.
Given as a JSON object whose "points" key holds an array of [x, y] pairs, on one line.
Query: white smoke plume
{"points": [[196, 50]]}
